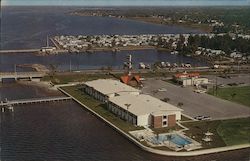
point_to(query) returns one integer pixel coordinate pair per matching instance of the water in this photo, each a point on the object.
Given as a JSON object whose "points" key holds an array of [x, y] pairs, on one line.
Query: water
{"points": [[179, 140], [65, 131], [93, 61], [175, 138], [27, 27]]}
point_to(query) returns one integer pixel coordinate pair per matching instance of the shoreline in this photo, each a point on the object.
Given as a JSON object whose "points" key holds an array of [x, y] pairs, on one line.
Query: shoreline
{"points": [[157, 151], [204, 28]]}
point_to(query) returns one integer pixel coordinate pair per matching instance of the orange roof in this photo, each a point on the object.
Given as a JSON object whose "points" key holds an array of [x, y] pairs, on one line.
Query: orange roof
{"points": [[126, 78], [179, 75]]}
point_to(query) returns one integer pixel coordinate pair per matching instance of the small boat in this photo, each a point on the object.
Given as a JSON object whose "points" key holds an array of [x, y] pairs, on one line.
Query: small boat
{"points": [[142, 65]]}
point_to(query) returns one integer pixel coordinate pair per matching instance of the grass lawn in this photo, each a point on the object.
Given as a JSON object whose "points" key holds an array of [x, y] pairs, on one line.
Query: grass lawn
{"points": [[197, 130], [184, 118], [235, 131], [226, 132], [100, 108], [235, 94]]}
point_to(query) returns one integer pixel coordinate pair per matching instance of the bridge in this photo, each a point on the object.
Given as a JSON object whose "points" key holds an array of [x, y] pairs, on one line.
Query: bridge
{"points": [[20, 51], [21, 75], [33, 100]]}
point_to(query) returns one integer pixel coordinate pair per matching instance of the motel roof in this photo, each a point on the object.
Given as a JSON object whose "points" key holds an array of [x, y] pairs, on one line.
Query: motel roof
{"points": [[143, 104], [110, 86]]}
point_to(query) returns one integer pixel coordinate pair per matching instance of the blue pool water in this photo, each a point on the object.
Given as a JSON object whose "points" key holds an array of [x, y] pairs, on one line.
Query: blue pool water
{"points": [[179, 140]]}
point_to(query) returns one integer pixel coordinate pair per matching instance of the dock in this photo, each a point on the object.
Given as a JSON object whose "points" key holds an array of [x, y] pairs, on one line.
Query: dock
{"points": [[19, 51], [21, 75], [33, 100]]}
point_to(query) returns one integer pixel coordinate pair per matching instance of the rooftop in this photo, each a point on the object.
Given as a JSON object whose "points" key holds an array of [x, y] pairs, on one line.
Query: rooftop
{"points": [[143, 104], [110, 86]]}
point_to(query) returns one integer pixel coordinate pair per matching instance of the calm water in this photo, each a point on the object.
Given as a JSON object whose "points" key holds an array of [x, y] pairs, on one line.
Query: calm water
{"points": [[93, 61], [24, 27], [28, 27], [64, 131]]}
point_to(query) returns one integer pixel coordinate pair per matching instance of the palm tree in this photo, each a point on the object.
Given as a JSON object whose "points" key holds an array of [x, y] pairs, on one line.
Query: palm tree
{"points": [[180, 104], [166, 99], [233, 95]]}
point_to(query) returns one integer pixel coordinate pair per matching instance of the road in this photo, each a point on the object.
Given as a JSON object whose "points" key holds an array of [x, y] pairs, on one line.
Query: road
{"points": [[239, 79], [195, 104]]}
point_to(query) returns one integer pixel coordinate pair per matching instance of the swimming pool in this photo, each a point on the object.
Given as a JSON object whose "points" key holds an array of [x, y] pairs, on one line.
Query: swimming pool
{"points": [[174, 138], [177, 139]]}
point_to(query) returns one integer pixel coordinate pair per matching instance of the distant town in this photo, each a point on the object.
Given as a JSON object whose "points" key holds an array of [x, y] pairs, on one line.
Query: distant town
{"points": [[174, 43]]}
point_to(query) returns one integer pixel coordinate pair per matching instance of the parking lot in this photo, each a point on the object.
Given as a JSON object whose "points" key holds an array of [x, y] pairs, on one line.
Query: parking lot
{"points": [[243, 79], [195, 104]]}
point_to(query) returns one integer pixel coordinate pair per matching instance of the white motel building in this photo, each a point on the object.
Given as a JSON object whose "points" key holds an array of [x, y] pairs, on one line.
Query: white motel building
{"points": [[129, 104]]}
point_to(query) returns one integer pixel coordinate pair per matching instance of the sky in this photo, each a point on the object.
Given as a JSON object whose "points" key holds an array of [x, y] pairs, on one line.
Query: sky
{"points": [[127, 2]]}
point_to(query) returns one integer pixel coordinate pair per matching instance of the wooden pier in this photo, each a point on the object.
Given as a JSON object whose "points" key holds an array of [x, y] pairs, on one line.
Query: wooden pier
{"points": [[19, 51], [31, 101], [21, 75]]}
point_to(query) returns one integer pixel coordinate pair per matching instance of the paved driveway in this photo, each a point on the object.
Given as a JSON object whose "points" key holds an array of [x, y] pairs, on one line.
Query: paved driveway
{"points": [[195, 104]]}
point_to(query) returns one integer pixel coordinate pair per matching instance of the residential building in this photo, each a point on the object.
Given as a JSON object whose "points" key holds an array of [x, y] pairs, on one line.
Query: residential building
{"points": [[130, 105], [144, 110], [103, 89]]}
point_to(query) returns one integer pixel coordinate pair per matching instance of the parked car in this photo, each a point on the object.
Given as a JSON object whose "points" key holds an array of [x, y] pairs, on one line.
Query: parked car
{"points": [[201, 117], [199, 91], [162, 89]]}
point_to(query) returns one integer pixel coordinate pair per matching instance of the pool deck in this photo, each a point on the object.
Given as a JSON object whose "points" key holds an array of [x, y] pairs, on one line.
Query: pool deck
{"points": [[150, 138]]}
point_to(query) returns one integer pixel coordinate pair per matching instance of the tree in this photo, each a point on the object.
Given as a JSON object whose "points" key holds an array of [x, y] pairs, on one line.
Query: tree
{"points": [[88, 38], [180, 104], [53, 69], [233, 95], [166, 99]]}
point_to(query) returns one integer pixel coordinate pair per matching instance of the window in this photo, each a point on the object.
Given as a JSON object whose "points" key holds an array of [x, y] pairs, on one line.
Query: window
{"points": [[164, 117], [164, 123]]}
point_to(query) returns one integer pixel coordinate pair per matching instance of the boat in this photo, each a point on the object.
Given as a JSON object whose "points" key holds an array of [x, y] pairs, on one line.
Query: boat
{"points": [[142, 65]]}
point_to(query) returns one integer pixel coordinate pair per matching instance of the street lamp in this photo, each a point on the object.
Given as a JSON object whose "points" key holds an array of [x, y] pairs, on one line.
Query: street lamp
{"points": [[127, 105]]}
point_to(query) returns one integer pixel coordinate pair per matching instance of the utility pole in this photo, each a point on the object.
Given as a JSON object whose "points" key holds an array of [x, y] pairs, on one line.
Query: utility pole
{"points": [[238, 66], [216, 87], [129, 65], [70, 65], [15, 71], [47, 43]]}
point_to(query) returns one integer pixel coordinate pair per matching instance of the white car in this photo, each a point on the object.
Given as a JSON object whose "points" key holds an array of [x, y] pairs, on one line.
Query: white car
{"points": [[199, 91], [162, 90]]}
